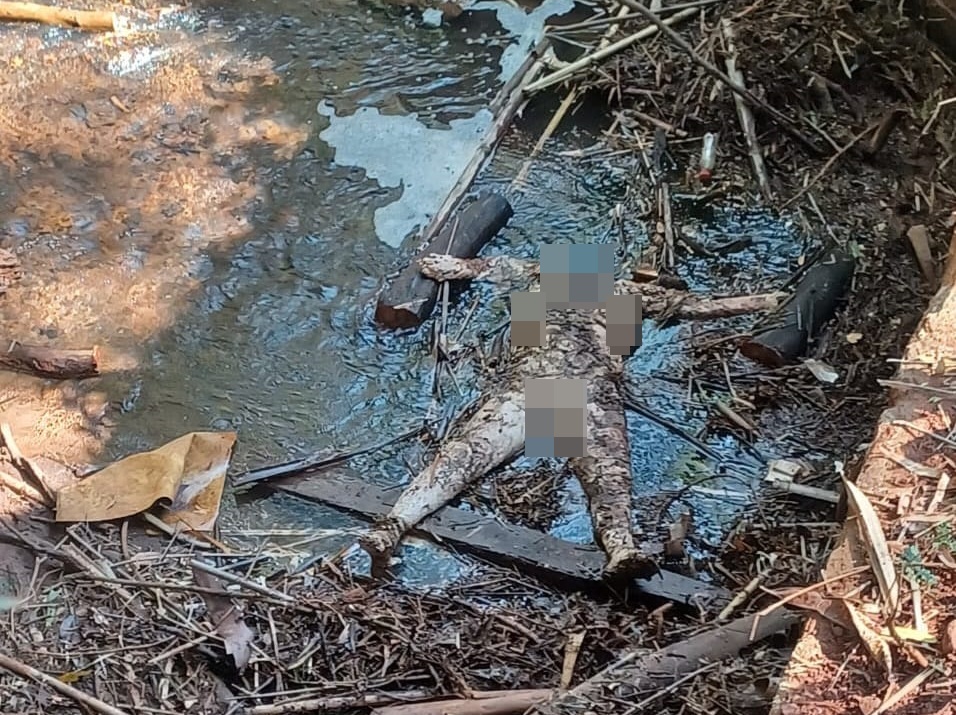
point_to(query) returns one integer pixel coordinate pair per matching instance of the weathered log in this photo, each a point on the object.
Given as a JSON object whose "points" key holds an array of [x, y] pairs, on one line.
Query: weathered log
{"points": [[784, 336], [576, 348], [48, 362], [564, 564], [410, 298], [632, 674], [49, 15]]}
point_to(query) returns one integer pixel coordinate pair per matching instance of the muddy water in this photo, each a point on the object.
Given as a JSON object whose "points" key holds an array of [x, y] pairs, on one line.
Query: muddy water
{"points": [[214, 201]]}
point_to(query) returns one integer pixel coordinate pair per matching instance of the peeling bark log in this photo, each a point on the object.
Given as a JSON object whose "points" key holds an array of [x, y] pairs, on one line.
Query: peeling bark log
{"points": [[784, 336], [576, 349], [49, 15], [410, 298], [50, 362], [631, 674]]}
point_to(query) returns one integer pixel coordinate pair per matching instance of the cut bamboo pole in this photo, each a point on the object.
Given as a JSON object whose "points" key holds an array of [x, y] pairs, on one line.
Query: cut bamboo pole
{"points": [[49, 15]]}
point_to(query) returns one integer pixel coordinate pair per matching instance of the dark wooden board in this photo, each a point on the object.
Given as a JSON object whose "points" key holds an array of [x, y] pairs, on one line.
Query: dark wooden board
{"points": [[542, 555]]}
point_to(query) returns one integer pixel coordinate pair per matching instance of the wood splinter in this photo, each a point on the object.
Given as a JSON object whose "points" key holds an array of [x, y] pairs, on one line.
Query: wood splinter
{"points": [[103, 20]]}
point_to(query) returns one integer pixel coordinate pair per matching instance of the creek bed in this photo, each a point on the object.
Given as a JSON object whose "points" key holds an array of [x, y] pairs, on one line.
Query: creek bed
{"points": [[215, 202]]}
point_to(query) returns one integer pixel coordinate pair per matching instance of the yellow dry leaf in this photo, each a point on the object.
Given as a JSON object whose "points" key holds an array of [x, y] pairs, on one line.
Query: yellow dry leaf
{"points": [[875, 646], [189, 473], [73, 676], [881, 561], [909, 634]]}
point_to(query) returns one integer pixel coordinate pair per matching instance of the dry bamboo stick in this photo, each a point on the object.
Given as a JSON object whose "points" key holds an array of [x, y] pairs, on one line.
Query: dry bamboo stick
{"points": [[49, 15], [28, 672], [588, 60], [782, 119], [744, 114], [562, 110], [504, 106]]}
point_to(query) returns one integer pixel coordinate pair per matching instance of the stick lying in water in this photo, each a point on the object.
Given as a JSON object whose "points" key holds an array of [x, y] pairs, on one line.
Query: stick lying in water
{"points": [[82, 19], [577, 348]]}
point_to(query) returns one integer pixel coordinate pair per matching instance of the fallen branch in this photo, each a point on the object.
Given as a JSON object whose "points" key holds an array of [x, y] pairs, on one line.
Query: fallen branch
{"points": [[744, 114], [31, 473], [336, 703], [49, 15], [49, 362], [504, 107], [28, 672], [657, 670], [830, 164]]}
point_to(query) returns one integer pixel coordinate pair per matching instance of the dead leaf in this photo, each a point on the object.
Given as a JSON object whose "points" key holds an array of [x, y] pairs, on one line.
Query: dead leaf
{"points": [[877, 647], [73, 676], [189, 473], [948, 639], [227, 620], [881, 561], [854, 338]]}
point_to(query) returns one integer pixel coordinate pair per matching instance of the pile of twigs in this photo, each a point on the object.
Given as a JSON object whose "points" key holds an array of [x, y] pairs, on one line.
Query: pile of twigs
{"points": [[138, 625]]}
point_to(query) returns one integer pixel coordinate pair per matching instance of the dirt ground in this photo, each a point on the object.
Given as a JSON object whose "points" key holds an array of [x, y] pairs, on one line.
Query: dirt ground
{"points": [[126, 619]]}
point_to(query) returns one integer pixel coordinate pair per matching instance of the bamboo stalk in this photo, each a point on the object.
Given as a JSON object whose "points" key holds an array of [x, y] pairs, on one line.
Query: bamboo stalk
{"points": [[28, 672], [744, 114], [562, 110], [612, 49]]}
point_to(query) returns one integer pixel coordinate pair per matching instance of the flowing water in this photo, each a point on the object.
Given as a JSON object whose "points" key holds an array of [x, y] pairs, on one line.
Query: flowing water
{"points": [[214, 202]]}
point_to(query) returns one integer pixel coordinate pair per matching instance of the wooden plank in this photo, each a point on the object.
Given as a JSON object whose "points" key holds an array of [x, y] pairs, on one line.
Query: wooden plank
{"points": [[571, 565]]}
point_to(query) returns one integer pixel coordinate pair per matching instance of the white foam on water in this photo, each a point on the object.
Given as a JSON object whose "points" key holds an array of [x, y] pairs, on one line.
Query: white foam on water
{"points": [[400, 151], [526, 27]]}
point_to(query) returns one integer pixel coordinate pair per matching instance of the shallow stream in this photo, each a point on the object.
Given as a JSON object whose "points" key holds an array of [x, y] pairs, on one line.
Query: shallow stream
{"points": [[215, 202]]}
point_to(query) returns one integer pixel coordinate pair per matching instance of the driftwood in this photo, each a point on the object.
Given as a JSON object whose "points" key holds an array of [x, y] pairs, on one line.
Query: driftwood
{"points": [[785, 335], [656, 672], [49, 15], [577, 348], [410, 298], [50, 362], [561, 563]]}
